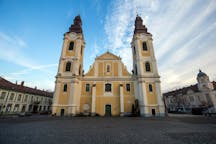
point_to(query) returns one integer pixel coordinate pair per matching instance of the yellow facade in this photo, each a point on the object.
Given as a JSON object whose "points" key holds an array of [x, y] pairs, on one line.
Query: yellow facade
{"points": [[107, 89]]}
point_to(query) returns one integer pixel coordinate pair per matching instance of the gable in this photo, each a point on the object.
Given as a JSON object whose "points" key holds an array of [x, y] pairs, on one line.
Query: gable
{"points": [[108, 56], [101, 64]]}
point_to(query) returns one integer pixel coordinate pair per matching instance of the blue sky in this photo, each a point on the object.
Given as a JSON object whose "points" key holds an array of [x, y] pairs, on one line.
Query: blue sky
{"points": [[31, 36]]}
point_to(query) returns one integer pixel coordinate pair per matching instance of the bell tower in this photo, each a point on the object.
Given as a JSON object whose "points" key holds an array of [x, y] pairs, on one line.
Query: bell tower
{"points": [[70, 71], [145, 72]]}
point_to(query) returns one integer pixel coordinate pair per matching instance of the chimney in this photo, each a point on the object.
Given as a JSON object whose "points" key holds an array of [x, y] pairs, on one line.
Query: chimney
{"points": [[22, 83], [35, 87]]}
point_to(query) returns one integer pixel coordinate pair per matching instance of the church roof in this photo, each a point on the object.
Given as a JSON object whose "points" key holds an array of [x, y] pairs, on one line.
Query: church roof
{"points": [[182, 90], [201, 74], [139, 27], [77, 25], [108, 56], [5, 84]]}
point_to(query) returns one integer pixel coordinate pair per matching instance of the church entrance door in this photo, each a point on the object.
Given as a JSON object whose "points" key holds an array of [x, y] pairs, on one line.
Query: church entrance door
{"points": [[62, 112], [108, 110]]}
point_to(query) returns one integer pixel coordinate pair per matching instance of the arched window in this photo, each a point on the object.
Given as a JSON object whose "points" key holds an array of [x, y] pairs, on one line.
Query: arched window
{"points": [[150, 88], [128, 87], [134, 51], [135, 71], [147, 66], [71, 46], [81, 50], [87, 87], [80, 70], [108, 87], [65, 88], [68, 66], [108, 68], [144, 46]]}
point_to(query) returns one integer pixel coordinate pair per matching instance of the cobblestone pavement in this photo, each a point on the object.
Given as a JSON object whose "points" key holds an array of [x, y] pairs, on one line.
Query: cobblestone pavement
{"points": [[109, 130]]}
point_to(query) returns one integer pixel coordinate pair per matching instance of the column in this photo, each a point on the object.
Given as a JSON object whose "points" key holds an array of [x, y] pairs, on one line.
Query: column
{"points": [[71, 106], [93, 99], [144, 109], [55, 98], [160, 101], [121, 101]]}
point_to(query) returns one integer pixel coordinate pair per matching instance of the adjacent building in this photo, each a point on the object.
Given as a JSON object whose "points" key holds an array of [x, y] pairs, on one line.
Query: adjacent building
{"points": [[107, 89], [200, 95], [15, 98]]}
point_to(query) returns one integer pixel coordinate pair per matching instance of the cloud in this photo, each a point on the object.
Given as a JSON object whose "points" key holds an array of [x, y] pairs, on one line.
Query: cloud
{"points": [[12, 49], [39, 68], [183, 33]]}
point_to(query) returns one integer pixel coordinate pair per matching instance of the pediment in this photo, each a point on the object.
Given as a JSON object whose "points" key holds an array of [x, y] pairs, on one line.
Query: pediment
{"points": [[108, 56]]}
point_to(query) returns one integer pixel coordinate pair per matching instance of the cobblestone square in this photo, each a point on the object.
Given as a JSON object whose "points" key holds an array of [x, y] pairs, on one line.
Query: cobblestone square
{"points": [[107, 130]]}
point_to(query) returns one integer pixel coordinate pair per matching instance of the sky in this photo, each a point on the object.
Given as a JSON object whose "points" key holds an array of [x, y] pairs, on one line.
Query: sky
{"points": [[31, 36]]}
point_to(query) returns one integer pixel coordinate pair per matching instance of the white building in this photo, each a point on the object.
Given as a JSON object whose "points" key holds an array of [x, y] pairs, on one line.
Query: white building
{"points": [[200, 95], [16, 98]]}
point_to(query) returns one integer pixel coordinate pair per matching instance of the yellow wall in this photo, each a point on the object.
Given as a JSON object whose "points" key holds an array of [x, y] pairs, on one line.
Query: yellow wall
{"points": [[63, 96], [85, 100], [70, 52], [115, 65], [91, 71], [145, 53], [151, 68], [151, 96], [100, 69], [102, 100]]}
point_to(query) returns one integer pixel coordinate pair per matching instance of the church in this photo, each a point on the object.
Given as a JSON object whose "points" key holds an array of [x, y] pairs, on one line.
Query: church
{"points": [[107, 89]]}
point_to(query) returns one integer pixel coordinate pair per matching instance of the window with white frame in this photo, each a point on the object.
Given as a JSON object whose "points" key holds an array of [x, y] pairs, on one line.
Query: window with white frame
{"points": [[108, 87], [19, 97], [128, 87], [11, 96], [87, 87], [108, 68], [3, 94]]}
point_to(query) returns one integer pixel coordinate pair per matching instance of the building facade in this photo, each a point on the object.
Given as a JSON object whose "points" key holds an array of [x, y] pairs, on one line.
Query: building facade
{"points": [[200, 95], [15, 99], [107, 89]]}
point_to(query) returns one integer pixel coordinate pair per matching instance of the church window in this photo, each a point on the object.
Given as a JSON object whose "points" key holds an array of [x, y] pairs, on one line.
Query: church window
{"points": [[134, 51], [147, 66], [71, 46], [135, 72], [191, 98], [3, 94], [19, 97], [150, 88], [80, 70], [127, 87], [65, 88], [81, 50], [108, 87], [11, 96], [68, 66], [144, 45], [87, 87], [108, 68]]}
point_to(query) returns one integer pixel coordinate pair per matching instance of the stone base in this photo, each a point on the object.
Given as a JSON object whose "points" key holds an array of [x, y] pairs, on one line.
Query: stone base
{"points": [[121, 114], [150, 115], [93, 114]]}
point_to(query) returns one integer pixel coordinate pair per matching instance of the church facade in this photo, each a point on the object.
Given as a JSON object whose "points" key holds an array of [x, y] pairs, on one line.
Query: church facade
{"points": [[107, 89]]}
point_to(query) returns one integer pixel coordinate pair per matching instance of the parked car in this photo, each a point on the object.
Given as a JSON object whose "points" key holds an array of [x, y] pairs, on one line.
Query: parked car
{"points": [[209, 111], [22, 114]]}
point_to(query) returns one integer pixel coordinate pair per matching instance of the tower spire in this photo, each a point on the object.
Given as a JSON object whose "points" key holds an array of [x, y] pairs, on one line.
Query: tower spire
{"points": [[77, 25], [139, 27]]}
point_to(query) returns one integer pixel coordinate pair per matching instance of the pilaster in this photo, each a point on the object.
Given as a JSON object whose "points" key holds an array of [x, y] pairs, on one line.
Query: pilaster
{"points": [[93, 100], [121, 101]]}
